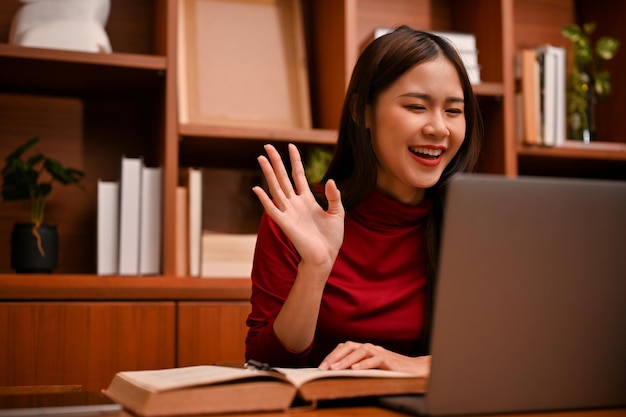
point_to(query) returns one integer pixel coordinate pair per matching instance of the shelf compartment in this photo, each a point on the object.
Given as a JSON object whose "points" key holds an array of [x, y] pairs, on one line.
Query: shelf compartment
{"points": [[49, 71], [600, 160], [228, 146]]}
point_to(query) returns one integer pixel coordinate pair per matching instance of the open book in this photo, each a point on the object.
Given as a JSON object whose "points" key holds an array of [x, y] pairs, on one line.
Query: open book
{"points": [[217, 389]]}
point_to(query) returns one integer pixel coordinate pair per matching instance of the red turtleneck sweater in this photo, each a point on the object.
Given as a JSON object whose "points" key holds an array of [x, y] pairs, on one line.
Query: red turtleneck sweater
{"points": [[375, 293]]}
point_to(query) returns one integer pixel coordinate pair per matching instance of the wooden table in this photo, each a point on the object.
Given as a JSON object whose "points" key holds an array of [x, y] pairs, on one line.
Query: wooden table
{"points": [[371, 411]]}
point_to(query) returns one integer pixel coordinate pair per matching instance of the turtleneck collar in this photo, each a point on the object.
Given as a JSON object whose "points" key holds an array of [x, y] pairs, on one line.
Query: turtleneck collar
{"points": [[381, 210]]}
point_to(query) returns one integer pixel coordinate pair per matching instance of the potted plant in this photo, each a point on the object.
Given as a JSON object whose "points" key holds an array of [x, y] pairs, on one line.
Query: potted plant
{"points": [[587, 84], [34, 245]]}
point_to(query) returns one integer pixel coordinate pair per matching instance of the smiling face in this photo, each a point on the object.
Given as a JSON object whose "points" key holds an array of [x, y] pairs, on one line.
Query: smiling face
{"points": [[417, 126]]}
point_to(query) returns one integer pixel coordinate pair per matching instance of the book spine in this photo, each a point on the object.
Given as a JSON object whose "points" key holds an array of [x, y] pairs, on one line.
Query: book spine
{"points": [[150, 221], [107, 226], [195, 221], [130, 191]]}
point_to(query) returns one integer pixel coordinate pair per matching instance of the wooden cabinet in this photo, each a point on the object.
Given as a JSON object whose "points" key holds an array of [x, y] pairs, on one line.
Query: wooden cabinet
{"points": [[83, 343], [81, 330], [90, 109], [211, 333]]}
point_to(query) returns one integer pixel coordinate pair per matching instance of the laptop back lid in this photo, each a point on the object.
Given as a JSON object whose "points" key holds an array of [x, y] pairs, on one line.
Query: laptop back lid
{"points": [[530, 309]]}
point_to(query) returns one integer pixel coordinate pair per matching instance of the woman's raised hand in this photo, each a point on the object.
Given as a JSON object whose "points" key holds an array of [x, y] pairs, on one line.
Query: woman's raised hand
{"points": [[316, 234]]}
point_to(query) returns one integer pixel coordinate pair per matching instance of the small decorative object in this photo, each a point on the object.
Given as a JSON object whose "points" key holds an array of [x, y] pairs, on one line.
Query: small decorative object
{"points": [[34, 245], [76, 25], [587, 83]]}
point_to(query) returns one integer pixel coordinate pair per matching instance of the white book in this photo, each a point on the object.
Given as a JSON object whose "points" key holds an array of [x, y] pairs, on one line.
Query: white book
{"points": [[561, 101], [554, 105], [547, 61], [130, 208], [195, 221], [108, 223], [150, 227]]}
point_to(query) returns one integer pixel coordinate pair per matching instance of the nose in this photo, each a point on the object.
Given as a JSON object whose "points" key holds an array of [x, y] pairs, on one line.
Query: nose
{"points": [[436, 125]]}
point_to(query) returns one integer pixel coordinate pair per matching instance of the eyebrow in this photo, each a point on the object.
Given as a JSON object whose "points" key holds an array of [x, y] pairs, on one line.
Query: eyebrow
{"points": [[423, 96]]}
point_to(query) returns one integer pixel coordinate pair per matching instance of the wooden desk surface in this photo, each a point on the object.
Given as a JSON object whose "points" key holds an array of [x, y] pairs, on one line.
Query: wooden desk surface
{"points": [[380, 412]]}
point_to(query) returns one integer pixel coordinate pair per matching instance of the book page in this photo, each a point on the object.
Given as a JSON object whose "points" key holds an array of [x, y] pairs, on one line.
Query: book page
{"points": [[174, 378], [300, 376]]}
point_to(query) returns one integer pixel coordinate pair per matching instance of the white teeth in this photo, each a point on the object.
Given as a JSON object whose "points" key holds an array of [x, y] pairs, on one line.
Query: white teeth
{"points": [[426, 151]]}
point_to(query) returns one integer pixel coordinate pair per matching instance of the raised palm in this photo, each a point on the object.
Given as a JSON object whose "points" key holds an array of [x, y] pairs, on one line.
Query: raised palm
{"points": [[317, 234]]}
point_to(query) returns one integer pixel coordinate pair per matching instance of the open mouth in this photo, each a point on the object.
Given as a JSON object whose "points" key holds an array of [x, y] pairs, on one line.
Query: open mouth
{"points": [[426, 153]]}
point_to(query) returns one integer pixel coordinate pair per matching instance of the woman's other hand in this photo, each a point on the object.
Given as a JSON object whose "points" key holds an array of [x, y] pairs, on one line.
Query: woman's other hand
{"points": [[353, 355]]}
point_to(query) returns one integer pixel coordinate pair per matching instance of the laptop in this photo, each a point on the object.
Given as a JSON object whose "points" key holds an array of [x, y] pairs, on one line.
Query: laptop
{"points": [[530, 303]]}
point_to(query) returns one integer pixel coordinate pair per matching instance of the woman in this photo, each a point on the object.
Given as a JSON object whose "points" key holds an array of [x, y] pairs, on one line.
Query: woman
{"points": [[347, 283]]}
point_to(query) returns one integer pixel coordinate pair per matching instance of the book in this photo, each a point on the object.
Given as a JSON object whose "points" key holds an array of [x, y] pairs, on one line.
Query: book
{"points": [[530, 78], [211, 389], [465, 44], [182, 231], [194, 217], [561, 96], [550, 94], [107, 224], [227, 255], [130, 191], [150, 237]]}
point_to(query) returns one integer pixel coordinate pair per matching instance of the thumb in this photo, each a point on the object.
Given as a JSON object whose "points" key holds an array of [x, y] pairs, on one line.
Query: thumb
{"points": [[333, 196]]}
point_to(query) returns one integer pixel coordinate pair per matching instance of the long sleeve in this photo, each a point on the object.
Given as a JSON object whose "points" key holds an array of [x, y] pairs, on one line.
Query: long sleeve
{"points": [[274, 270], [375, 293]]}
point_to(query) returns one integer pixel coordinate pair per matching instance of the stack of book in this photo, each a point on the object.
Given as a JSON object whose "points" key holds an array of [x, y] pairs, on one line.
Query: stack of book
{"points": [[129, 220], [540, 96]]}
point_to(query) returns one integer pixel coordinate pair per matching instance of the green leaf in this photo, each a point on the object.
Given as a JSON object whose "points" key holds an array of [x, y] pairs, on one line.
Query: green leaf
{"points": [[583, 56], [607, 47], [572, 32], [17, 153], [589, 27], [62, 174], [42, 190], [602, 83]]}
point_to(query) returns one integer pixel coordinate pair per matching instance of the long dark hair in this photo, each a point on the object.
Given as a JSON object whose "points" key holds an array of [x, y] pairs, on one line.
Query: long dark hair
{"points": [[354, 162]]}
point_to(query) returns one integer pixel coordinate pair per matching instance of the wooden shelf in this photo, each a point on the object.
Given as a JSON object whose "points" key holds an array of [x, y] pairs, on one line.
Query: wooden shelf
{"points": [[318, 136], [49, 71], [609, 151], [89, 287], [237, 146]]}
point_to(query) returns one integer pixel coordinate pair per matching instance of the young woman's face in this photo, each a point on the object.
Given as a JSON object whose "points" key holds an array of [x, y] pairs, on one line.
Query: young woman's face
{"points": [[417, 125]]}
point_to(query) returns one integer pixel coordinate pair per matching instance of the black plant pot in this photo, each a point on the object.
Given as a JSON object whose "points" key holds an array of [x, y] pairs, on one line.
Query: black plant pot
{"points": [[25, 255]]}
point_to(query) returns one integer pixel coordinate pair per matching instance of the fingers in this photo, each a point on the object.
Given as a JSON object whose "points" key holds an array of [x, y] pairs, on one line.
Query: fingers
{"points": [[333, 196], [297, 169], [352, 355], [278, 181]]}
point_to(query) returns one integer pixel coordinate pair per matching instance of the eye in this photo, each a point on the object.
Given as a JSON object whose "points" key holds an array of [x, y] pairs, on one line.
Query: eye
{"points": [[454, 110], [415, 107]]}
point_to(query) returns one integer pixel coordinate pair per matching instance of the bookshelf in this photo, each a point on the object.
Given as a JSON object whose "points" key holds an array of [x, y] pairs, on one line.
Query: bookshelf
{"points": [[89, 109]]}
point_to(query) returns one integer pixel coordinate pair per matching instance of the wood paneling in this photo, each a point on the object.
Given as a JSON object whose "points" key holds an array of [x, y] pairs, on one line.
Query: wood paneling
{"points": [[52, 343], [212, 333]]}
